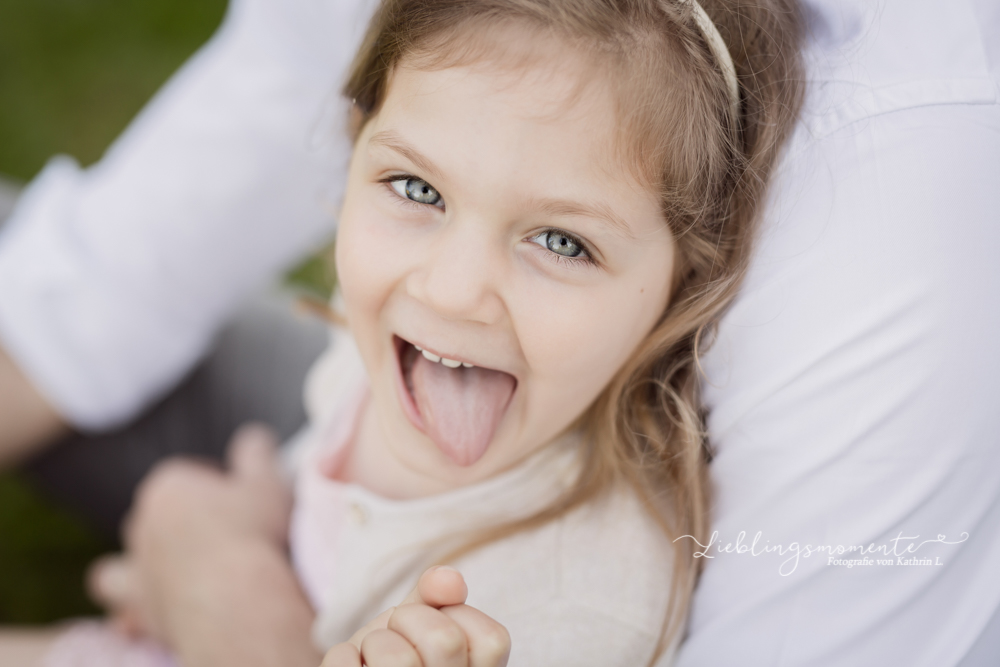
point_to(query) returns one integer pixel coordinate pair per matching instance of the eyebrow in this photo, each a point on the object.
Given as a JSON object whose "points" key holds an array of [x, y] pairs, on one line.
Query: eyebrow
{"points": [[596, 210], [556, 207], [392, 141]]}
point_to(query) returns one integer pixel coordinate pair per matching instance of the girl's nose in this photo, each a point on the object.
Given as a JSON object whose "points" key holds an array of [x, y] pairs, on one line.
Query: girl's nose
{"points": [[457, 276]]}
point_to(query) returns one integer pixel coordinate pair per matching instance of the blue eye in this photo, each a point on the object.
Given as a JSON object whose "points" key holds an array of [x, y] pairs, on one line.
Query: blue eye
{"points": [[561, 244], [416, 189]]}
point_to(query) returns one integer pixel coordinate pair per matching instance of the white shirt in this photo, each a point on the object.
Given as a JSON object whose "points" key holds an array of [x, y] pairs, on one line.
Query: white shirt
{"points": [[853, 389], [115, 278], [853, 386]]}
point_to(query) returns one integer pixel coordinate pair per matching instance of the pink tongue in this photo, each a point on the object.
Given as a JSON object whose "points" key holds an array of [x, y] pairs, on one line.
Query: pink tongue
{"points": [[461, 407]]}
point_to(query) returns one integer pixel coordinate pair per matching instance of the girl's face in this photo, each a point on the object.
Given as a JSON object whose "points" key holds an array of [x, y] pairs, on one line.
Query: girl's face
{"points": [[487, 221]]}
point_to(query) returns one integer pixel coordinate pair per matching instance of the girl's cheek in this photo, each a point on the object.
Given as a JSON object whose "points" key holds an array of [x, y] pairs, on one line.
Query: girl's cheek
{"points": [[372, 255], [358, 264], [582, 335], [353, 254]]}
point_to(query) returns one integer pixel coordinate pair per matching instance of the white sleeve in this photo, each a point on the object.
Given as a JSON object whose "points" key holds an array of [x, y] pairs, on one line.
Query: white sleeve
{"points": [[114, 278], [853, 400]]}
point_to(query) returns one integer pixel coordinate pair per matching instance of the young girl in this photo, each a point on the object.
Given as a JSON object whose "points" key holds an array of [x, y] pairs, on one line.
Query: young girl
{"points": [[549, 206]]}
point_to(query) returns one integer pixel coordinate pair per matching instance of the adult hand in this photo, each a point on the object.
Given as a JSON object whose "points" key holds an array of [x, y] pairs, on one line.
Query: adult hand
{"points": [[206, 570], [431, 628]]}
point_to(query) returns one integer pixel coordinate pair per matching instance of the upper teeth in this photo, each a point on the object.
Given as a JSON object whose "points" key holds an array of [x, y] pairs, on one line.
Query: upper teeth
{"points": [[450, 363]]}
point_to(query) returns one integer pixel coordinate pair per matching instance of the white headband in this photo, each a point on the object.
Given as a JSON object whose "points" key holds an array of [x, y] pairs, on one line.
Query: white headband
{"points": [[721, 52]]}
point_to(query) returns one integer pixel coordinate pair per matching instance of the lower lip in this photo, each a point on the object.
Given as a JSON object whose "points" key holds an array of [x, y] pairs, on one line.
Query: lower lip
{"points": [[405, 398]]}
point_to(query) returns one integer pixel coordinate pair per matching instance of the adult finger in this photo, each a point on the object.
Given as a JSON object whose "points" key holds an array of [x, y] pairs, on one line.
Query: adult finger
{"points": [[385, 648], [254, 466], [342, 655], [439, 586], [252, 452], [438, 639], [489, 641], [170, 480], [113, 583]]}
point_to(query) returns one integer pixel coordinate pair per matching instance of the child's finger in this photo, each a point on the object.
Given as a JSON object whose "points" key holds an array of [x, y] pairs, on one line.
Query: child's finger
{"points": [[378, 623], [439, 587], [385, 648], [342, 655], [112, 582], [438, 639], [489, 641], [251, 453]]}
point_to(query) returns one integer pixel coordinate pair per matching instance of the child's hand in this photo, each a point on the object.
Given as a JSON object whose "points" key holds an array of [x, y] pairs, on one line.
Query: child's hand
{"points": [[431, 628]]}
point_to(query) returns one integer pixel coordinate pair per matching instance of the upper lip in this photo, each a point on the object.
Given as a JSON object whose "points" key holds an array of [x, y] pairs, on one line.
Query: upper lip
{"points": [[449, 355]]}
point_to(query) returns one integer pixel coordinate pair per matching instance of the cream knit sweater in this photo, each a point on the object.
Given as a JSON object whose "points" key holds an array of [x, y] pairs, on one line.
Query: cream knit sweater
{"points": [[588, 589]]}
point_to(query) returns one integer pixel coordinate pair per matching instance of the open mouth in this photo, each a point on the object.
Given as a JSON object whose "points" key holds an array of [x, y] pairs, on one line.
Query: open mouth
{"points": [[457, 404]]}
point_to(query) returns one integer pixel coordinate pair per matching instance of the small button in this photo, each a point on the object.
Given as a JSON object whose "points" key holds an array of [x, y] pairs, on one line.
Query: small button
{"points": [[359, 516]]}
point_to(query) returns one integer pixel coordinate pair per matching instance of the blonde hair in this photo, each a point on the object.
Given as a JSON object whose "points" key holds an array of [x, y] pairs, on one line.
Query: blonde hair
{"points": [[679, 137]]}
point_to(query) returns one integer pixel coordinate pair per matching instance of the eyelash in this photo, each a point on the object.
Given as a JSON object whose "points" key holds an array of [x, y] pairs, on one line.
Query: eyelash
{"points": [[405, 201], [562, 260], [572, 262]]}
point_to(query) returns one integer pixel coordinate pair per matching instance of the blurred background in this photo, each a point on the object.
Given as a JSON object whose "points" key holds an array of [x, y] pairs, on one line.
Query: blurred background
{"points": [[74, 72], [72, 75]]}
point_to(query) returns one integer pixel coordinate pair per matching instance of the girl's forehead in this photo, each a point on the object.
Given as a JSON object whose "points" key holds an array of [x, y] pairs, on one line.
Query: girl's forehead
{"points": [[548, 75], [511, 47], [525, 85], [558, 79]]}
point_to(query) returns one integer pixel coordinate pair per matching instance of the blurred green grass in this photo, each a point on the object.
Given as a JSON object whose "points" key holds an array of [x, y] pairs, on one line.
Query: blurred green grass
{"points": [[72, 74], [43, 553]]}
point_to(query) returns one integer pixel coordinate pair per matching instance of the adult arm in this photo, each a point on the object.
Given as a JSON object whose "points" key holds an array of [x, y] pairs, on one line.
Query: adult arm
{"points": [[114, 278], [28, 419]]}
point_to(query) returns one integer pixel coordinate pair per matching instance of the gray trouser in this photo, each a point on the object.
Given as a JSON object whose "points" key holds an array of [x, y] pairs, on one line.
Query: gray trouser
{"points": [[254, 372]]}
